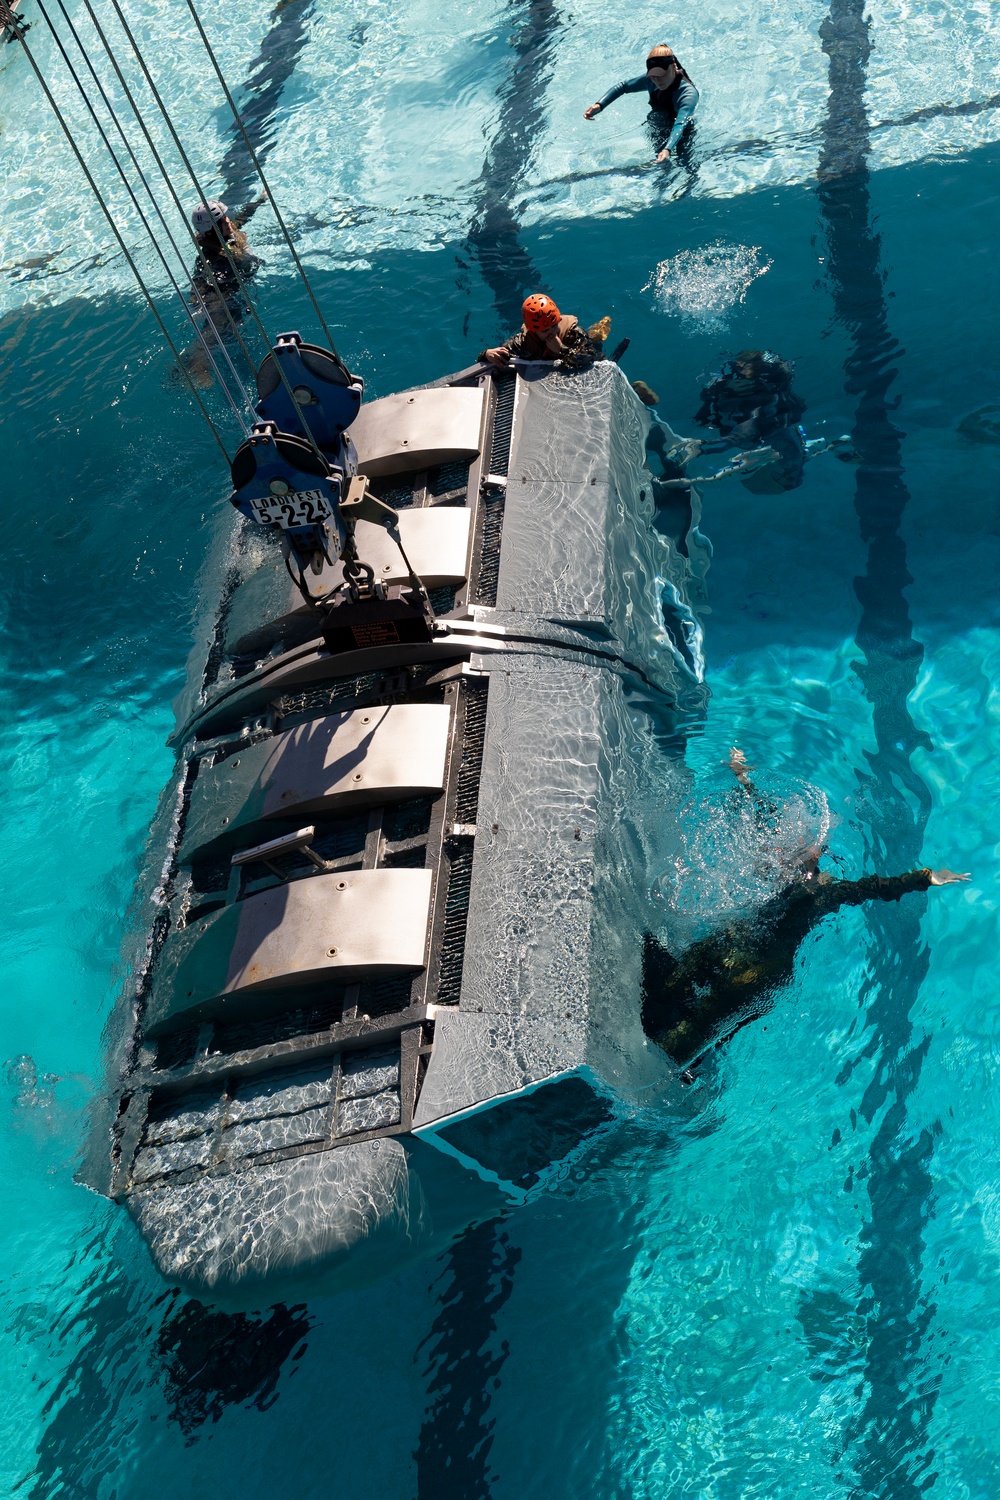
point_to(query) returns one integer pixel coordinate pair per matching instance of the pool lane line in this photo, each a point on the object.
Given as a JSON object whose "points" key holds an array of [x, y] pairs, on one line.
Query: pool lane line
{"points": [[493, 240], [887, 1440], [258, 98], [464, 1361]]}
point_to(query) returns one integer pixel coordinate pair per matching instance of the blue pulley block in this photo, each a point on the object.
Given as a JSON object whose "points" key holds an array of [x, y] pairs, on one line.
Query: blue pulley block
{"points": [[280, 481], [327, 395]]}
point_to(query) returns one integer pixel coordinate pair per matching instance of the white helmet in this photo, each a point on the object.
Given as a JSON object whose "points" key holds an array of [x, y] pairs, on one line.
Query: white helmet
{"points": [[207, 214]]}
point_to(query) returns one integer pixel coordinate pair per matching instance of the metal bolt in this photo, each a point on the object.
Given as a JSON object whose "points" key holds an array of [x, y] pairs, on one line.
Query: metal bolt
{"points": [[357, 776], [367, 719], [341, 886], [331, 953]]}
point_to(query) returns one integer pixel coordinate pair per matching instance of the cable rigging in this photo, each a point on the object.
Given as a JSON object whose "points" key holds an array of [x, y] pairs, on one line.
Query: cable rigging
{"points": [[284, 474], [10, 19], [214, 347], [138, 207]]}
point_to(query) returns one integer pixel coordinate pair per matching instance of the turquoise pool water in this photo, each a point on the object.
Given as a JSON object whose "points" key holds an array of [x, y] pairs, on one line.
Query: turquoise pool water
{"points": [[792, 1290]]}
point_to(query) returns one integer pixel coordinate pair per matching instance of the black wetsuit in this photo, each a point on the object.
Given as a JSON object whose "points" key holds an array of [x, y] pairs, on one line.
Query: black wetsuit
{"points": [[672, 108], [731, 976], [216, 280], [753, 412]]}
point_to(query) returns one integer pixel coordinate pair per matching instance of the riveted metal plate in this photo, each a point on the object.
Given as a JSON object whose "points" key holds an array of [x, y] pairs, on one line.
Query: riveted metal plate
{"points": [[346, 760], [417, 429], [341, 926]]}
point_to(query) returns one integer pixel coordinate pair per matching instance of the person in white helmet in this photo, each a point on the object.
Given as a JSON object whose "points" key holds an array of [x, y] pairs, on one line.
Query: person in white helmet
{"points": [[224, 263], [221, 241]]}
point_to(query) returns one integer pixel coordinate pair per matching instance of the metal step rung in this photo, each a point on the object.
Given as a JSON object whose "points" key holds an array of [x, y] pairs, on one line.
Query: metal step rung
{"points": [[291, 843]]}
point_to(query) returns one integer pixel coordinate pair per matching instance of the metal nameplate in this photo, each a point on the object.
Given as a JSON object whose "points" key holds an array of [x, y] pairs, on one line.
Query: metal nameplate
{"points": [[297, 508]]}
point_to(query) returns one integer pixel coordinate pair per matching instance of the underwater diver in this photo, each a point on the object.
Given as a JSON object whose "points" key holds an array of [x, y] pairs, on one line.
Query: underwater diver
{"points": [[224, 263], [729, 978], [750, 403], [547, 334], [673, 99]]}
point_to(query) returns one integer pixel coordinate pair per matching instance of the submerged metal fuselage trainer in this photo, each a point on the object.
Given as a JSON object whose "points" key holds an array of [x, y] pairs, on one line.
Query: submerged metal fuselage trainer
{"points": [[394, 969]]}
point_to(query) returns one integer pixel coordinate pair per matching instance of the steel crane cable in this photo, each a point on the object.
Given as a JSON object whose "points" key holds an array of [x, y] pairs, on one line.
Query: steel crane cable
{"points": [[241, 282], [138, 207], [18, 31], [260, 173], [224, 301]]}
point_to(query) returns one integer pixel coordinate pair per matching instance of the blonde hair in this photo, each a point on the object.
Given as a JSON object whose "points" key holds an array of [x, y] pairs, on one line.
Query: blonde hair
{"points": [[210, 241], [662, 50]]}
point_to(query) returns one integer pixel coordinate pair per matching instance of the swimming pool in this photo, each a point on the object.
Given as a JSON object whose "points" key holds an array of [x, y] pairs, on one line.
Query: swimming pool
{"points": [[790, 1289]]}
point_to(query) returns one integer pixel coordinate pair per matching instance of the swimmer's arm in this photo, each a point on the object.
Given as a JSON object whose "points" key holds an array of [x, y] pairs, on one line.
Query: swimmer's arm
{"points": [[687, 103], [503, 353], [627, 86], [245, 214], [882, 887]]}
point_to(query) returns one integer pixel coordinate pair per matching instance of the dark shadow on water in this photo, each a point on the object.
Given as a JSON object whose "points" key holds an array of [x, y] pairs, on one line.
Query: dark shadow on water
{"points": [[464, 1363], [494, 238], [121, 1343], [212, 1360], [260, 96], [887, 1450]]}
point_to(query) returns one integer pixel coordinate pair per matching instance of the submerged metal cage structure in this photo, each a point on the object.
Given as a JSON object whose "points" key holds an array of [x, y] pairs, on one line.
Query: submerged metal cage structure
{"points": [[401, 906]]}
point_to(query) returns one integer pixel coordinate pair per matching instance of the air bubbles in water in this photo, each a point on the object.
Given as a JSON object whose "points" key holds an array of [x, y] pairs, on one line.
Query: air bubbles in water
{"points": [[742, 847], [703, 286]]}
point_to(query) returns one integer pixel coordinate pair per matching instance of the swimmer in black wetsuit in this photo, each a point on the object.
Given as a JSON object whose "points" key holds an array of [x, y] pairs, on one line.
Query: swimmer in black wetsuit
{"points": [[731, 977], [751, 403], [673, 99], [224, 263]]}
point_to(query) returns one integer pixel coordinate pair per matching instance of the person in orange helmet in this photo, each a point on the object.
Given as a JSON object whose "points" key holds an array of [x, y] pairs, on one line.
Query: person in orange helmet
{"points": [[549, 334]]}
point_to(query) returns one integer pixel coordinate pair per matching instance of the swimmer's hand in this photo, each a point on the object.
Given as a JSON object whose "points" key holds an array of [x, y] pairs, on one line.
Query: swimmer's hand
{"points": [[664, 155], [947, 877], [589, 113], [755, 459], [499, 357]]}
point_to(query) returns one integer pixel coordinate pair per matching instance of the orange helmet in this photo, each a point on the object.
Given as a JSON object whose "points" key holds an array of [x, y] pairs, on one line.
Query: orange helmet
{"points": [[540, 313]]}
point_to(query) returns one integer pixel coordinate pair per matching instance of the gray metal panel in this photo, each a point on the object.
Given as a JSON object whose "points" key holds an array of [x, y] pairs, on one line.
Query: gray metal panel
{"points": [[580, 540], [570, 802], [346, 760], [267, 604], [415, 430], [340, 927]]}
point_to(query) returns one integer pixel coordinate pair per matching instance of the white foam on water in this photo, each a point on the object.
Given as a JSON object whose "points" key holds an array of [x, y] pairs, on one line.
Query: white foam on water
{"points": [[703, 286]]}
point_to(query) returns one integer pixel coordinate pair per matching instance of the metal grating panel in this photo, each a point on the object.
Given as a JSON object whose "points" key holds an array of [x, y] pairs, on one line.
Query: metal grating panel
{"points": [[446, 477], [229, 1037], [399, 495], [177, 1048], [489, 557], [456, 915], [459, 852], [337, 694], [443, 599], [470, 769], [503, 423]]}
